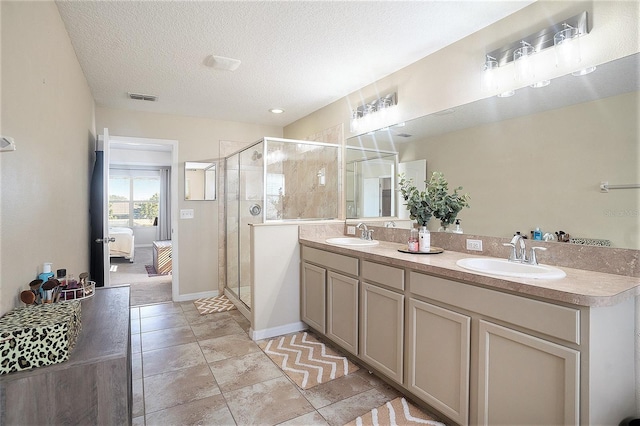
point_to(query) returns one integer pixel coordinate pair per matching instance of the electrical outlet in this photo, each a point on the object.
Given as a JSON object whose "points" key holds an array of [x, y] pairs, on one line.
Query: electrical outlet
{"points": [[474, 245], [351, 230]]}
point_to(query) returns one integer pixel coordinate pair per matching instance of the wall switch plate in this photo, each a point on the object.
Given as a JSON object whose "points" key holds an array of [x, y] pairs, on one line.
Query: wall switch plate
{"points": [[351, 230], [186, 213], [474, 245]]}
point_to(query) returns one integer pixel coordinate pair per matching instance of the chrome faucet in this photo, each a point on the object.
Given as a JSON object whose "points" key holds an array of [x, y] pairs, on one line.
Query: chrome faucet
{"points": [[519, 251], [365, 233]]}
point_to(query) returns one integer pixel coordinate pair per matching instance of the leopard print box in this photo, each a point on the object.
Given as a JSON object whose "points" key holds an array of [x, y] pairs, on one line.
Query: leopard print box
{"points": [[35, 336]]}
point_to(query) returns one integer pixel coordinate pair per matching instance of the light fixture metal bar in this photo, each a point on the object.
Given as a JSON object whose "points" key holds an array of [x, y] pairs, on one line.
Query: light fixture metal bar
{"points": [[388, 100], [541, 39]]}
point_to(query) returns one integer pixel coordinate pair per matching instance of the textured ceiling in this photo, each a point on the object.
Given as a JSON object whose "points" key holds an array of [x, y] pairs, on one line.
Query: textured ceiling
{"points": [[296, 55]]}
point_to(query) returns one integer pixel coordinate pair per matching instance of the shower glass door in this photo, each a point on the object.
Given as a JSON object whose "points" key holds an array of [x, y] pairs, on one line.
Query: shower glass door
{"points": [[244, 203], [232, 209], [251, 205]]}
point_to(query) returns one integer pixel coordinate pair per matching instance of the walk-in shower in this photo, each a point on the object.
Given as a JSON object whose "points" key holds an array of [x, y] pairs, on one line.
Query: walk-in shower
{"points": [[274, 180]]}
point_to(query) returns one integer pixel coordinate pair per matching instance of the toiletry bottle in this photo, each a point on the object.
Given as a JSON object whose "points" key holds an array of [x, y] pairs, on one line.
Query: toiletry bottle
{"points": [[413, 240], [458, 229], [46, 272], [424, 237], [537, 234]]}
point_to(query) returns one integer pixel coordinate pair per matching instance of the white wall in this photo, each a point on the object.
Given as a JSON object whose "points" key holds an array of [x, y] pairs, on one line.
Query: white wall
{"points": [[48, 108], [198, 140]]}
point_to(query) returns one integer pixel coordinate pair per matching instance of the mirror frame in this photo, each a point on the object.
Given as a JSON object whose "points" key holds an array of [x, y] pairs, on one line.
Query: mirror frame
{"points": [[208, 183]]}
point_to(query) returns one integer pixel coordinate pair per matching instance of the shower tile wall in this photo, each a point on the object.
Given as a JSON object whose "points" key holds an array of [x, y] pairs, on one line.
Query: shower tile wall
{"points": [[310, 182]]}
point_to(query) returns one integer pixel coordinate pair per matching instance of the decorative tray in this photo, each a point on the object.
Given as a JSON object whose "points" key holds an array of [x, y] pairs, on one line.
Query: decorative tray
{"points": [[433, 250]]}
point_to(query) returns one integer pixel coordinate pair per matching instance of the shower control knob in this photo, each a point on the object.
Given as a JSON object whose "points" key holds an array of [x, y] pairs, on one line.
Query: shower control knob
{"points": [[255, 209]]}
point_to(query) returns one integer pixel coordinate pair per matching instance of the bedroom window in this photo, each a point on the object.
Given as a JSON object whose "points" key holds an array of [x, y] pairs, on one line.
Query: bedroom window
{"points": [[133, 199]]}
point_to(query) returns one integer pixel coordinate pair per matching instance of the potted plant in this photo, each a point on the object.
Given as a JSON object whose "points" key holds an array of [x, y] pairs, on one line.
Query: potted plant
{"points": [[445, 206], [434, 201]]}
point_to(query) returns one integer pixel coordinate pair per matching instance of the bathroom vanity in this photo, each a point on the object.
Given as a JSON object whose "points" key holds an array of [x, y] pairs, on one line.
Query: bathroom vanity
{"points": [[477, 348]]}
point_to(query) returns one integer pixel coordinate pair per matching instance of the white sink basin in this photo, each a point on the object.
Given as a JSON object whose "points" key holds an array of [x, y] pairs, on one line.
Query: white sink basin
{"points": [[349, 241], [503, 267]]}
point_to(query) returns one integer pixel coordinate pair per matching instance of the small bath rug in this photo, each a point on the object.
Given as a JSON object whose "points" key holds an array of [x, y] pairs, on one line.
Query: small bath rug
{"points": [[397, 412], [151, 271], [307, 361], [212, 305]]}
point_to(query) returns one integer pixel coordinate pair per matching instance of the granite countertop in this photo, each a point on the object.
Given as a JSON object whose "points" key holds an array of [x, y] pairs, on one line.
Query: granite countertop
{"points": [[579, 287]]}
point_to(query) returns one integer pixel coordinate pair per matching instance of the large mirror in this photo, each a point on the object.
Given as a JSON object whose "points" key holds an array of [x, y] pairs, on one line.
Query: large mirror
{"points": [[370, 182], [538, 159], [199, 180]]}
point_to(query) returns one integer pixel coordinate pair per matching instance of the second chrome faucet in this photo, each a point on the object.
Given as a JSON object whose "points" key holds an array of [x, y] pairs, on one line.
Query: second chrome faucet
{"points": [[519, 251]]}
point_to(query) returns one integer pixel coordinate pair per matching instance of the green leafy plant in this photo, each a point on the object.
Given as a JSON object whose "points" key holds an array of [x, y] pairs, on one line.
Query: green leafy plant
{"points": [[434, 201], [445, 206]]}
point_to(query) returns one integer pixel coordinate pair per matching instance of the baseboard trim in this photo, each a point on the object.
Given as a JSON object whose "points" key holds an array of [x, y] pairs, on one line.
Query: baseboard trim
{"points": [[277, 331], [193, 296]]}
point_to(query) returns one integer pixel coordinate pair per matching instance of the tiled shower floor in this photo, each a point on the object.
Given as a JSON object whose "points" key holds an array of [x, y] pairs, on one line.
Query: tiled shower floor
{"points": [[203, 369]]}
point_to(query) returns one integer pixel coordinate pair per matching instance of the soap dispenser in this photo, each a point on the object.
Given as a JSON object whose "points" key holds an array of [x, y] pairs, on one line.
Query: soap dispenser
{"points": [[537, 234], [458, 229]]}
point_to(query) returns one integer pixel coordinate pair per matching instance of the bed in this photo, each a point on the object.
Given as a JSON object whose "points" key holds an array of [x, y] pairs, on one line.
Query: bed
{"points": [[123, 244]]}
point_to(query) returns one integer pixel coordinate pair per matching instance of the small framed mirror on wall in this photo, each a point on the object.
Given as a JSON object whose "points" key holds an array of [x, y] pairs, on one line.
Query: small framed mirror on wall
{"points": [[199, 180]]}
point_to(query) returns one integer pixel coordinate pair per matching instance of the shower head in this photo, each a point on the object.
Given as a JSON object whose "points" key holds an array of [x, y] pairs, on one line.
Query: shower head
{"points": [[256, 156]]}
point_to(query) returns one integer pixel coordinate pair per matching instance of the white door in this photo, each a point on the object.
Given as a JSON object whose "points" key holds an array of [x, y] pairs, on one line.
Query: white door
{"points": [[371, 197]]}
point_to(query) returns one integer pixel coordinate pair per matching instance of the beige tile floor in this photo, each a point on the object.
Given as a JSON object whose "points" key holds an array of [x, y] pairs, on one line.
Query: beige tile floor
{"points": [[203, 369]]}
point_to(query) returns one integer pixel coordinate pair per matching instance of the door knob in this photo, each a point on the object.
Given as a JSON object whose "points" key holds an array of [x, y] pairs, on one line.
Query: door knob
{"points": [[105, 240]]}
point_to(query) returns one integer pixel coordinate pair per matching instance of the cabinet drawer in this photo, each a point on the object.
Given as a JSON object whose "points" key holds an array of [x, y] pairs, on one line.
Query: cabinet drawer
{"points": [[382, 274], [552, 320], [337, 262]]}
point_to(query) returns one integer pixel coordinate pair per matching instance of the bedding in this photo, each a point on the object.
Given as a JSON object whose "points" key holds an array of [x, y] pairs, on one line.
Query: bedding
{"points": [[123, 244]]}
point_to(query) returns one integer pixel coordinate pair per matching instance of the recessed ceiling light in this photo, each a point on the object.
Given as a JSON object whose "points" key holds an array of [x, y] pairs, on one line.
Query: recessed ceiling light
{"points": [[222, 63], [276, 110]]}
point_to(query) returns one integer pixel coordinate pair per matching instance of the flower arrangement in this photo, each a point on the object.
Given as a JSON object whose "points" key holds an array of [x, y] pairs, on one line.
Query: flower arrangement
{"points": [[434, 201]]}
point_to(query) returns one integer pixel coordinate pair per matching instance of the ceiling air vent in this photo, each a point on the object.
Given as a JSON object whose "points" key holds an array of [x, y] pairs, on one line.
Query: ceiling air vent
{"points": [[142, 97]]}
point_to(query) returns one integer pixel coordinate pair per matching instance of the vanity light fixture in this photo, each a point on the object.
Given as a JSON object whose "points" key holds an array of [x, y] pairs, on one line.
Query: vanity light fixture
{"points": [[524, 65], [563, 36], [567, 45], [371, 114], [583, 71], [506, 94], [489, 78]]}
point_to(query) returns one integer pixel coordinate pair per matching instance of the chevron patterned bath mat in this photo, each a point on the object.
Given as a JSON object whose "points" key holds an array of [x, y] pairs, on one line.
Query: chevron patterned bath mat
{"points": [[397, 412], [307, 361], [211, 305]]}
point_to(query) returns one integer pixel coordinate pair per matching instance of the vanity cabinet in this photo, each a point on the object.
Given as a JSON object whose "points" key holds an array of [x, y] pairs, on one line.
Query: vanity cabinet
{"points": [[474, 353], [342, 311], [314, 298], [382, 322], [524, 378], [330, 288], [439, 345]]}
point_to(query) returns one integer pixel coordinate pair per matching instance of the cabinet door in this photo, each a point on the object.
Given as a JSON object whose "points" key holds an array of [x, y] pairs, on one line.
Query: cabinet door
{"points": [[525, 380], [342, 311], [382, 330], [313, 296], [438, 370]]}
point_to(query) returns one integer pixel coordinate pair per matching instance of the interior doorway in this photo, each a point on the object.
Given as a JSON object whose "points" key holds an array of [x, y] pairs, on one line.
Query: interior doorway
{"points": [[142, 211]]}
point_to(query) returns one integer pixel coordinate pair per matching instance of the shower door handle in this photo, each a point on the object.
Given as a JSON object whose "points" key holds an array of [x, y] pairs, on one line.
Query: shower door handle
{"points": [[255, 209]]}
